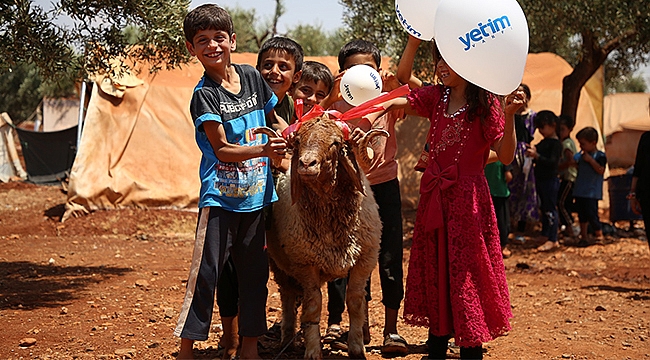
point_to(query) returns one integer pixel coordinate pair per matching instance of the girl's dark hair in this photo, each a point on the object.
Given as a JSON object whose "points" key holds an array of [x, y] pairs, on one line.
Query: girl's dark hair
{"points": [[315, 71], [281, 43], [208, 16], [545, 117], [358, 46], [478, 99], [588, 133]]}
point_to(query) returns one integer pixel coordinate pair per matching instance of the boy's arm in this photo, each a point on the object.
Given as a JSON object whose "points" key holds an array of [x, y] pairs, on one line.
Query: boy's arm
{"points": [[507, 175], [405, 66], [596, 165], [277, 122], [568, 154], [227, 152]]}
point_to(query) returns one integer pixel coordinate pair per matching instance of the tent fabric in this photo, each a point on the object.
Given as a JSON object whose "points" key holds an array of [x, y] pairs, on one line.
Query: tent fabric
{"points": [[626, 111], [627, 116], [48, 155], [59, 113], [10, 166], [137, 146], [140, 150], [544, 74]]}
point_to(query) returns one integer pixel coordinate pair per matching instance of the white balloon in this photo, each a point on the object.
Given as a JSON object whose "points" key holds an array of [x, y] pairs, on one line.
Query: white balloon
{"points": [[417, 17], [485, 42], [359, 84]]}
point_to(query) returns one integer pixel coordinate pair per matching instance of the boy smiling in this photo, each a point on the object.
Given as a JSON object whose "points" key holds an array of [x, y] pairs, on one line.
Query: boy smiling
{"points": [[228, 103]]}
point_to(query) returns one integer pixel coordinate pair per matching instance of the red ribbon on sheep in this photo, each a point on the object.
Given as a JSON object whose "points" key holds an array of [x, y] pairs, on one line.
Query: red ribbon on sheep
{"points": [[361, 110]]}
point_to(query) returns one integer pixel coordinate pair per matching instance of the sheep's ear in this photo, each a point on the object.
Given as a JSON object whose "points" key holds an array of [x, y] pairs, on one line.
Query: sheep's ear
{"points": [[351, 167], [296, 183]]}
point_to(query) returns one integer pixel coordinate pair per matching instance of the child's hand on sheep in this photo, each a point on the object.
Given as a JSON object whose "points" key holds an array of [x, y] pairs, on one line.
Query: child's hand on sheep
{"points": [[356, 136], [275, 149]]}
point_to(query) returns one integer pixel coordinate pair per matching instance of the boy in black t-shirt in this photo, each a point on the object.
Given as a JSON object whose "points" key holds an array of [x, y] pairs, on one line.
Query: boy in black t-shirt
{"points": [[228, 104], [546, 155]]}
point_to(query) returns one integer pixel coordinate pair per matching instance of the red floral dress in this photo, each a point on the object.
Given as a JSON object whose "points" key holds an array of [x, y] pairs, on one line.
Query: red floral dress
{"points": [[456, 283]]}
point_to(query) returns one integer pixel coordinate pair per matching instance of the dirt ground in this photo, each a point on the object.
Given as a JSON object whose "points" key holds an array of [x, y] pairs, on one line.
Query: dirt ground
{"points": [[110, 286]]}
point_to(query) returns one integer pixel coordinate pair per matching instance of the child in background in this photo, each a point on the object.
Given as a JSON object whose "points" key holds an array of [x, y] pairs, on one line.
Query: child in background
{"points": [[231, 193], [280, 61], [524, 207], [546, 155], [456, 283], [568, 172], [314, 85], [588, 187], [382, 176], [498, 176]]}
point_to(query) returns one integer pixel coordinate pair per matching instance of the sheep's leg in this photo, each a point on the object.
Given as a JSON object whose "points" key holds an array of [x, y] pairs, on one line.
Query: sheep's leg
{"points": [[289, 290], [310, 317], [356, 302], [288, 296]]}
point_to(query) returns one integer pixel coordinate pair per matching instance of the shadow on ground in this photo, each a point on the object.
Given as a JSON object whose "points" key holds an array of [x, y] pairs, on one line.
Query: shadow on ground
{"points": [[26, 285]]}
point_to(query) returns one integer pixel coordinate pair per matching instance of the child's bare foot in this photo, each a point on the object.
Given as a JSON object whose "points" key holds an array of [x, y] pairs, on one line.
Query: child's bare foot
{"points": [[249, 348], [230, 348], [230, 339], [185, 353]]}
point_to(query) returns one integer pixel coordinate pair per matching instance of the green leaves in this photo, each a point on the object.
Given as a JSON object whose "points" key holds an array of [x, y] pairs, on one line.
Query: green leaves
{"points": [[84, 34]]}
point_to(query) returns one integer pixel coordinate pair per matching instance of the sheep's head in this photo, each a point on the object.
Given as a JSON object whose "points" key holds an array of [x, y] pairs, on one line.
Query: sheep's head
{"points": [[322, 160]]}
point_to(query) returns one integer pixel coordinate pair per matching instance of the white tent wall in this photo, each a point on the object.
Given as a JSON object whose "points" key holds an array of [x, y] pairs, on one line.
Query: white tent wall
{"points": [[626, 117], [10, 166], [59, 114]]}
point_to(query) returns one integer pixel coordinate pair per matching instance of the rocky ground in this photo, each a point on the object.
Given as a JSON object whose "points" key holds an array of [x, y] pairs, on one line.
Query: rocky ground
{"points": [[110, 285]]}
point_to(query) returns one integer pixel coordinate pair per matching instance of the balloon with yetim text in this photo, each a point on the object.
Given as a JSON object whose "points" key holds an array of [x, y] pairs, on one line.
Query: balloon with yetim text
{"points": [[485, 42], [416, 16], [359, 84]]}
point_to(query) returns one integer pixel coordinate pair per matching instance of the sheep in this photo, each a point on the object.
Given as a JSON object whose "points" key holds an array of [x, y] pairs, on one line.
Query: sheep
{"points": [[325, 226]]}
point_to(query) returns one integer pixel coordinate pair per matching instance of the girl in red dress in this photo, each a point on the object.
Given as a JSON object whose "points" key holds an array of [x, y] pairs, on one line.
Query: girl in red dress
{"points": [[456, 283]]}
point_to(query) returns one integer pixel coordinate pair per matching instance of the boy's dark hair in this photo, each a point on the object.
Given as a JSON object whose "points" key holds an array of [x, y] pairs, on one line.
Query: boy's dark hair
{"points": [[566, 120], [588, 133], [545, 117], [315, 71], [358, 46], [280, 43], [208, 16], [526, 90]]}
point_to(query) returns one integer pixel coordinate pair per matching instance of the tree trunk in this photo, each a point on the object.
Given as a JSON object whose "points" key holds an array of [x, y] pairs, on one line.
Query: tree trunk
{"points": [[593, 56]]}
